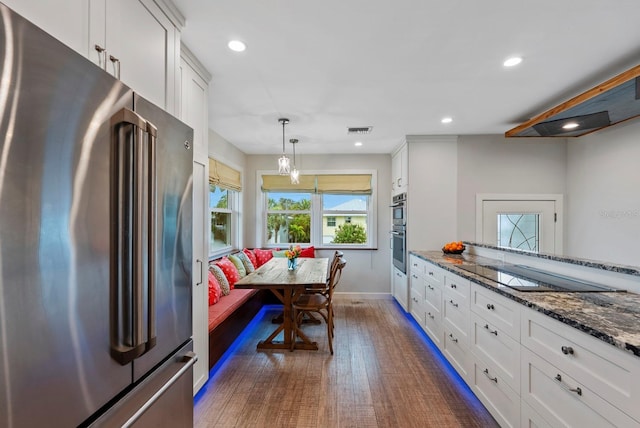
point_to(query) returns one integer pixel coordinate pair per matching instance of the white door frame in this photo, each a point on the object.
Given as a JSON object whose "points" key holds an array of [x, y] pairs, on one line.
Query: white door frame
{"points": [[557, 198]]}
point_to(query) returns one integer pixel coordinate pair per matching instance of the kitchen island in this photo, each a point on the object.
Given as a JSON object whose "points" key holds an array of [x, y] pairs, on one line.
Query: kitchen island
{"points": [[541, 357]]}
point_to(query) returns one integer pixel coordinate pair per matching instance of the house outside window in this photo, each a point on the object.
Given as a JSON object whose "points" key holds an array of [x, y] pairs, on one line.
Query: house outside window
{"points": [[331, 222]]}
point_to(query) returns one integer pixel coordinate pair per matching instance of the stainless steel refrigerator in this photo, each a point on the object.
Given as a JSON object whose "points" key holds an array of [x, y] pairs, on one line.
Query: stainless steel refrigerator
{"points": [[95, 244]]}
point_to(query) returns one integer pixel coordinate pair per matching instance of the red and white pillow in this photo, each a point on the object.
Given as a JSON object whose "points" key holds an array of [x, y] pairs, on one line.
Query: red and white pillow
{"points": [[262, 256], [215, 292], [252, 257], [229, 270]]}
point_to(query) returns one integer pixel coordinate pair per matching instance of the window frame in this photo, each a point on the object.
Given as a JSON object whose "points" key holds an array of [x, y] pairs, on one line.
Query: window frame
{"points": [[317, 212], [265, 237], [233, 200]]}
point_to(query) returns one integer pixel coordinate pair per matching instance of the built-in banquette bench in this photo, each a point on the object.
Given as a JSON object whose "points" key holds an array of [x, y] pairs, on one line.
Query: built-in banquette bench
{"points": [[230, 309]]}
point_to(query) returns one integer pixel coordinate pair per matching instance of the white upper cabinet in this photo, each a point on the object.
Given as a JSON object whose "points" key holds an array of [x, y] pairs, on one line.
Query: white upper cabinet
{"points": [[63, 19], [194, 102], [135, 41], [400, 170]]}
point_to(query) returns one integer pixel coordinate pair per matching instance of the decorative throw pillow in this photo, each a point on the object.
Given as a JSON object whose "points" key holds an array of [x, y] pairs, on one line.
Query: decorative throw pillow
{"points": [[238, 264], [248, 266], [229, 270], [214, 289], [309, 252], [262, 256], [251, 256], [222, 280], [279, 253]]}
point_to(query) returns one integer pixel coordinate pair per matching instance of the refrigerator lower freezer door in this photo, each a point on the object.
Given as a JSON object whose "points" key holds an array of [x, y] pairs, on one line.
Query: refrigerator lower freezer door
{"points": [[163, 399]]}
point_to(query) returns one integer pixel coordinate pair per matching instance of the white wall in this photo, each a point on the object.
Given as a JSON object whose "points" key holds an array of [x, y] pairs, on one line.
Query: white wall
{"points": [[220, 149], [603, 202], [367, 271], [494, 164]]}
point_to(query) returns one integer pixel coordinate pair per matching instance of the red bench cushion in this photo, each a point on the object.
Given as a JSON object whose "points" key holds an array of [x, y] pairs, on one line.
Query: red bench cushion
{"points": [[227, 305]]}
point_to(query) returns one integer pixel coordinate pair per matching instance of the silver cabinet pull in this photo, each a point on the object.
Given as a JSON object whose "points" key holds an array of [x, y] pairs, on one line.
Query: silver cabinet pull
{"points": [[430, 287], [116, 66], [453, 339], [577, 390], [430, 273], [414, 275], [491, 307], [495, 332], [454, 286], [200, 263], [455, 305], [486, 373], [102, 56], [431, 316], [567, 350]]}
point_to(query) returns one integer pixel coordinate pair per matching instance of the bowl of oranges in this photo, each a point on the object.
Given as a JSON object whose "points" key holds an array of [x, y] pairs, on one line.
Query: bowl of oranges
{"points": [[453, 247]]}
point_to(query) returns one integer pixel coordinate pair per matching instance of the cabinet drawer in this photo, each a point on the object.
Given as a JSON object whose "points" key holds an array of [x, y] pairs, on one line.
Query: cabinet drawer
{"points": [[502, 402], [456, 352], [433, 324], [433, 294], [417, 265], [457, 287], [597, 365], [492, 345], [457, 317], [499, 311], [434, 273], [417, 305], [562, 400], [529, 418]]}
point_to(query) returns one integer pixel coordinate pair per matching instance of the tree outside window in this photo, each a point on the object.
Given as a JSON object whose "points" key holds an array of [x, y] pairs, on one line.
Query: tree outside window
{"points": [[288, 218], [221, 213]]}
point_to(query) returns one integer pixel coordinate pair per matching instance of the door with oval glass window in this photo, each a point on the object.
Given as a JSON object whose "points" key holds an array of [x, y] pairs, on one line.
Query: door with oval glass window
{"points": [[524, 224]]}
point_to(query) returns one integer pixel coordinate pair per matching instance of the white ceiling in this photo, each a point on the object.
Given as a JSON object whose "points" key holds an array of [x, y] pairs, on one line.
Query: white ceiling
{"points": [[399, 66]]}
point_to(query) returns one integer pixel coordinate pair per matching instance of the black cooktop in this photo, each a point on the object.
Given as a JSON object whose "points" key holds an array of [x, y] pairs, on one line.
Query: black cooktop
{"points": [[525, 278]]}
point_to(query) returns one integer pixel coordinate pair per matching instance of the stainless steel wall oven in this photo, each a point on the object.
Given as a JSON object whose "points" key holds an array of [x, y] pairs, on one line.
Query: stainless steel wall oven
{"points": [[398, 234]]}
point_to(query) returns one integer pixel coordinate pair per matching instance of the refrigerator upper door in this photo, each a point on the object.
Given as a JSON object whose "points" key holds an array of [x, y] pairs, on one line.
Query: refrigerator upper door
{"points": [[170, 282], [55, 106]]}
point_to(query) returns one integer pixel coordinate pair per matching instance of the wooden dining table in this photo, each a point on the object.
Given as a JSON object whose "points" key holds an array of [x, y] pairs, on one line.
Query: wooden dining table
{"points": [[287, 285]]}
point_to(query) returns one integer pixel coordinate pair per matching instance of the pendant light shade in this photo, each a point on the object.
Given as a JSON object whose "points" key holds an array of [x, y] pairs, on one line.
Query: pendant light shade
{"points": [[295, 174], [283, 162]]}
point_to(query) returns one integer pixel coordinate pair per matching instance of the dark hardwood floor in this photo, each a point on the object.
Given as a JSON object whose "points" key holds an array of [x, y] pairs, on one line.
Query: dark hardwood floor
{"points": [[384, 373]]}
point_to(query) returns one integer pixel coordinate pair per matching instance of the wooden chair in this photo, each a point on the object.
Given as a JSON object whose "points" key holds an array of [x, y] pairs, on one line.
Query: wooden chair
{"points": [[319, 303]]}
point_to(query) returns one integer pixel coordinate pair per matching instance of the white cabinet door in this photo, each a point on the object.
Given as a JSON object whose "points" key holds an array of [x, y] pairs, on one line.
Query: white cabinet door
{"points": [[141, 47], [400, 170], [401, 288], [66, 20], [194, 109], [200, 296]]}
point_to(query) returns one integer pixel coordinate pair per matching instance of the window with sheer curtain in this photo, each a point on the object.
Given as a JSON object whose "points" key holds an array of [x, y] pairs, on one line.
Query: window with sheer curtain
{"points": [[325, 210]]}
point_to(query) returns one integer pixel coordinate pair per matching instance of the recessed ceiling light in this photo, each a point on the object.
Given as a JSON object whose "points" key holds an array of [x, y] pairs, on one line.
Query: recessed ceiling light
{"points": [[358, 143], [570, 125], [237, 46], [510, 62], [447, 120]]}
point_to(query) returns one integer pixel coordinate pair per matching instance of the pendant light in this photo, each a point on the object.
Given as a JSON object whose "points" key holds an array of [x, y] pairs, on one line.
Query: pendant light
{"points": [[283, 162], [295, 174]]}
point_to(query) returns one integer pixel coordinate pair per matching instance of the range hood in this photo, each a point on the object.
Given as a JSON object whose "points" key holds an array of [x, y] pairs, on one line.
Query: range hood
{"points": [[609, 103]]}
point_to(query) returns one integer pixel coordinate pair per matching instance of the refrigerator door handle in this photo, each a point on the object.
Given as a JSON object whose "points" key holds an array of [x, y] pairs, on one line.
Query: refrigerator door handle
{"points": [[128, 233], [190, 358], [152, 132]]}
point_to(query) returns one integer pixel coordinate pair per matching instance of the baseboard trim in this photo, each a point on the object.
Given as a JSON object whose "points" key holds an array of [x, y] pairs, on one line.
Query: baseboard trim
{"points": [[362, 296]]}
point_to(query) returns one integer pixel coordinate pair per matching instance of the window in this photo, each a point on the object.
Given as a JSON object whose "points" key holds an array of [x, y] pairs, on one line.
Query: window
{"points": [[220, 203], [224, 187], [322, 211], [350, 217], [288, 218]]}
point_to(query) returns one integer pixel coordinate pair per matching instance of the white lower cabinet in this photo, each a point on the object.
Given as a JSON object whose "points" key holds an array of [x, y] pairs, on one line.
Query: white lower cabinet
{"points": [[501, 400], [562, 400], [528, 369], [401, 288]]}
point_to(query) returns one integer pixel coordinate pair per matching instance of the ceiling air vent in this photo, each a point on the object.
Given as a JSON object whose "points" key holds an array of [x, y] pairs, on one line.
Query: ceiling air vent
{"points": [[360, 130]]}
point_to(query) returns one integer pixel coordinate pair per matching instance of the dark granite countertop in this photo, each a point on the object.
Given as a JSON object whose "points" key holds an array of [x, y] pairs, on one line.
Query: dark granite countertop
{"points": [[612, 317]]}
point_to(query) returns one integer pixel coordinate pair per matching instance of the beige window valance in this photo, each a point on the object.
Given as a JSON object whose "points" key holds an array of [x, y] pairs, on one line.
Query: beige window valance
{"points": [[224, 176], [320, 183]]}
